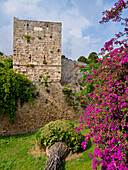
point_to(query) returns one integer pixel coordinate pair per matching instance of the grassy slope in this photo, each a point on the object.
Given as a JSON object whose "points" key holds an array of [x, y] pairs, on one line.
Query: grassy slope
{"points": [[84, 161], [14, 154]]}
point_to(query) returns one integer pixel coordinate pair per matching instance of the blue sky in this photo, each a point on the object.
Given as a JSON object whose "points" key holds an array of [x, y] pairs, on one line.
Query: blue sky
{"points": [[81, 31]]}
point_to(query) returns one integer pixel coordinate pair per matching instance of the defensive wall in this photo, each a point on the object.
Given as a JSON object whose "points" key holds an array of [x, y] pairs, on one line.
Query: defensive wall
{"points": [[39, 54]]}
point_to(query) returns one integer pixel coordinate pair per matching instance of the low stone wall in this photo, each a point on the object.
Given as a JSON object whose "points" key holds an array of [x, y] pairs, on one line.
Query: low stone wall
{"points": [[48, 107]]}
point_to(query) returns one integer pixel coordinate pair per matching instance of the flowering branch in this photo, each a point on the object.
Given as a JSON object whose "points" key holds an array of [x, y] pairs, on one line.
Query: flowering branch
{"points": [[107, 114]]}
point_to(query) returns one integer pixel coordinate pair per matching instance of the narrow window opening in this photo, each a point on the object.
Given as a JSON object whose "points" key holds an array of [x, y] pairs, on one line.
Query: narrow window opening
{"points": [[30, 58], [47, 27], [27, 24], [44, 61]]}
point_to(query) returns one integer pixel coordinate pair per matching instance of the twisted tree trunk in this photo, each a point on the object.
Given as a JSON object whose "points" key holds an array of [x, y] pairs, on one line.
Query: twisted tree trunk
{"points": [[56, 153]]}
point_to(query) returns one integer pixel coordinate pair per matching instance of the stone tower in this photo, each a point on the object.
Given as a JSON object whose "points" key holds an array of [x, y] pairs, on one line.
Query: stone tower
{"points": [[37, 49]]}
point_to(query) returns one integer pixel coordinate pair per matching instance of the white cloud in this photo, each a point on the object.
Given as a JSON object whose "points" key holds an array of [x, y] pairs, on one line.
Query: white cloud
{"points": [[76, 25], [22, 8], [87, 38], [13, 6], [76, 32], [6, 42], [84, 46], [73, 22], [108, 5], [99, 3], [76, 17]]}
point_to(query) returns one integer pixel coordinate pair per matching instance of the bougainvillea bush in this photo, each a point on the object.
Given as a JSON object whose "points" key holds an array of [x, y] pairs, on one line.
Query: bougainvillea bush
{"points": [[107, 114]]}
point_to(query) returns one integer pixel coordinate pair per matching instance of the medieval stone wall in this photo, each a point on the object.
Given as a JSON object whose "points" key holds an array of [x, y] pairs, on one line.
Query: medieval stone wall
{"points": [[28, 59], [37, 49], [47, 107]]}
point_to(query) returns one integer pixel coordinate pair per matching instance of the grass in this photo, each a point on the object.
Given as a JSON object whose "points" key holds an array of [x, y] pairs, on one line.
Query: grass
{"points": [[16, 154], [84, 161]]}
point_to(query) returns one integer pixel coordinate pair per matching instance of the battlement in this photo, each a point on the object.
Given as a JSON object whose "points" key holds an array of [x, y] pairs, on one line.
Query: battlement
{"points": [[37, 49]]}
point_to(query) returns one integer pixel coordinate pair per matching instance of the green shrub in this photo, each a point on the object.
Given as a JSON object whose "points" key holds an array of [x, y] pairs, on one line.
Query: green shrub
{"points": [[75, 107], [67, 91], [59, 131], [70, 85], [27, 37], [45, 80], [1, 54], [39, 37], [6, 63], [63, 56], [47, 90], [93, 57], [69, 98], [44, 62], [82, 59]]}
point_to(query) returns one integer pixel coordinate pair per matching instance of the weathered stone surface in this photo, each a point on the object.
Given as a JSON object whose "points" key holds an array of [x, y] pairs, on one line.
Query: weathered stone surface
{"points": [[47, 107], [42, 53], [28, 59], [71, 74]]}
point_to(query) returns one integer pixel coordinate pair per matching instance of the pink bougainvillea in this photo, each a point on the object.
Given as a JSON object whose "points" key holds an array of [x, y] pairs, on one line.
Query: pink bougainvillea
{"points": [[107, 114]]}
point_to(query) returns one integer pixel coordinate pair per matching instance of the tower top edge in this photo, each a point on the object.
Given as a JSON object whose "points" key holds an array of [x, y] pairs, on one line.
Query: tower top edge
{"points": [[25, 20]]}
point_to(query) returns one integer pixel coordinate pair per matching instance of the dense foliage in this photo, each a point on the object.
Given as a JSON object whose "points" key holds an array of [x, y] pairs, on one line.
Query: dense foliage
{"points": [[87, 88], [93, 56], [1, 53], [67, 91], [63, 56], [107, 114], [59, 131], [82, 59], [13, 87]]}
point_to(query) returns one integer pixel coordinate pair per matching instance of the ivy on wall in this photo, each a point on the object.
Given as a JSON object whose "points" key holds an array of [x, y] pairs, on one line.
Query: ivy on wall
{"points": [[13, 87]]}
